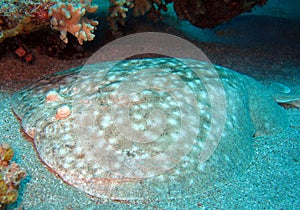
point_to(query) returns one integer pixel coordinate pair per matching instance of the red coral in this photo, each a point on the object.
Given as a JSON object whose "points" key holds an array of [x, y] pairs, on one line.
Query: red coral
{"points": [[40, 12]]}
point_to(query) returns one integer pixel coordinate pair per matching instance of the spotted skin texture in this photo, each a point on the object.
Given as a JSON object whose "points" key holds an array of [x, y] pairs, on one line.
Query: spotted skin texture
{"points": [[138, 128]]}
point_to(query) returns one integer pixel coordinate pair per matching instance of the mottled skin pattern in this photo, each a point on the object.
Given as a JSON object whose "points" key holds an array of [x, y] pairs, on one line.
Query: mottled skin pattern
{"points": [[146, 147]]}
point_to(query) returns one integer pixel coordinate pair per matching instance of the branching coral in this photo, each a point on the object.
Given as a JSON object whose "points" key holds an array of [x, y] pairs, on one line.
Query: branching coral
{"points": [[21, 17], [29, 16], [118, 12], [120, 8], [10, 176], [68, 17]]}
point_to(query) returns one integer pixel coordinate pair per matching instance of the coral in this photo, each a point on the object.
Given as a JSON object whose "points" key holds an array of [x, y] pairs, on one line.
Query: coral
{"points": [[23, 17], [143, 6], [69, 17], [208, 13], [10, 176], [120, 8]]}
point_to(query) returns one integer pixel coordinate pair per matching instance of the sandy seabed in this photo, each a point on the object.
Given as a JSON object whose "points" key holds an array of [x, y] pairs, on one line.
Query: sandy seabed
{"points": [[271, 181]]}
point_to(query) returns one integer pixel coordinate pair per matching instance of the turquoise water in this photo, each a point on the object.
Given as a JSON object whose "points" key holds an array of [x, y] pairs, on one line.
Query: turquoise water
{"points": [[264, 45]]}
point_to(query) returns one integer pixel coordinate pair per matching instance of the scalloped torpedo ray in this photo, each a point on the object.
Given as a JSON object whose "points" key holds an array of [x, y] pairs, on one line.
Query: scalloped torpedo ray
{"points": [[110, 131]]}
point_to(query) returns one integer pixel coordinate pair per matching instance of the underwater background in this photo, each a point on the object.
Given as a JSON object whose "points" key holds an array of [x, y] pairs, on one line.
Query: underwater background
{"points": [[263, 43]]}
